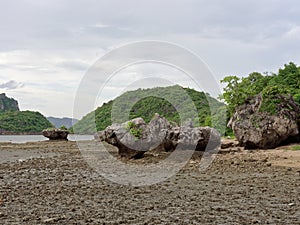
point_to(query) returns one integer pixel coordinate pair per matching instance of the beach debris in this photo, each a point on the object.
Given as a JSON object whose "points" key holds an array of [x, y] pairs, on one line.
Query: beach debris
{"points": [[54, 219]]}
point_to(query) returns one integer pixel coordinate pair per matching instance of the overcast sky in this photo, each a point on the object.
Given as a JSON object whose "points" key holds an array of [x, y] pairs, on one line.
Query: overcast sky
{"points": [[47, 46]]}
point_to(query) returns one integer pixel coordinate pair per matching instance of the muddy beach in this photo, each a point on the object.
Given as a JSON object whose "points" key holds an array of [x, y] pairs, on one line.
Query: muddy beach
{"points": [[51, 183]]}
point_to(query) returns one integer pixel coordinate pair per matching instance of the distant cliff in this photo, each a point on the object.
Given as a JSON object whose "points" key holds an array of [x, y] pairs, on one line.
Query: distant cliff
{"points": [[58, 122], [14, 121], [8, 104]]}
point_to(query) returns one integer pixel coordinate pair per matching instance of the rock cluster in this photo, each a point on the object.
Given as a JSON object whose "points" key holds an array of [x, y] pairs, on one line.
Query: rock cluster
{"points": [[135, 137], [56, 134], [255, 129]]}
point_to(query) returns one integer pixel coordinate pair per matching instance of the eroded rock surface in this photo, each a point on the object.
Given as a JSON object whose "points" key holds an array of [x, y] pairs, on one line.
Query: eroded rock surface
{"points": [[56, 134], [255, 129], [135, 137]]}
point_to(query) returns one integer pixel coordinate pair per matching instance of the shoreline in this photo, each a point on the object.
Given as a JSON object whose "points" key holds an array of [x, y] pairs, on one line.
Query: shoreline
{"points": [[17, 134], [37, 138]]}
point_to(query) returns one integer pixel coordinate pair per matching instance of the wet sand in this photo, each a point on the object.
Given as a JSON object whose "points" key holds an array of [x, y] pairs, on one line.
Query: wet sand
{"points": [[51, 183]]}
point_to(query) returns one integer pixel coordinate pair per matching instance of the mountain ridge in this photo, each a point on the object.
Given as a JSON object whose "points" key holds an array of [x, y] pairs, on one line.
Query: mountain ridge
{"points": [[64, 121]]}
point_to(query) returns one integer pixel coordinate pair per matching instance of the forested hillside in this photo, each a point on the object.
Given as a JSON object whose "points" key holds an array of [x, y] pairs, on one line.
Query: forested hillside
{"points": [[23, 122], [14, 121]]}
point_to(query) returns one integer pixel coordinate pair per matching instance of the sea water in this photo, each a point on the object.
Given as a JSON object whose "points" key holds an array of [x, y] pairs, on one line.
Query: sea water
{"points": [[35, 138]]}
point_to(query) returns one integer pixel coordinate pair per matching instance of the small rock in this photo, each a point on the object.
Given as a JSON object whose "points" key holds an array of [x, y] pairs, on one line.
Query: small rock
{"points": [[26, 218], [269, 164], [54, 219], [56, 134], [50, 220], [227, 145], [265, 160], [235, 163]]}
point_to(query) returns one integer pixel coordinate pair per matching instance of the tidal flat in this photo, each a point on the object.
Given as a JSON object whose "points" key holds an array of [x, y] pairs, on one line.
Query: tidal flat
{"points": [[52, 183]]}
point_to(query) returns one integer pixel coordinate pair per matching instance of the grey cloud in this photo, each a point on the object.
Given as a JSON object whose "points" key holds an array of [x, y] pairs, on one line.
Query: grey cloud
{"points": [[11, 85], [25, 67], [73, 65], [232, 36], [51, 23]]}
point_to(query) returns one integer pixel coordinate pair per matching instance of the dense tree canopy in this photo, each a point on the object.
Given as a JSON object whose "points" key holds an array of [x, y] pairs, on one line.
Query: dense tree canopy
{"points": [[23, 122], [285, 82]]}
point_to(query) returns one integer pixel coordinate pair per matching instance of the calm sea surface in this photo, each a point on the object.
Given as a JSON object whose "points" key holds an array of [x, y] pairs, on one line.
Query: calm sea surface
{"points": [[34, 138]]}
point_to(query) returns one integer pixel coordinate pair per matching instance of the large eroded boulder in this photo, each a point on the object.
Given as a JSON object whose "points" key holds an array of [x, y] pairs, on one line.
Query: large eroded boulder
{"points": [[135, 137], [193, 138], [261, 130], [56, 134]]}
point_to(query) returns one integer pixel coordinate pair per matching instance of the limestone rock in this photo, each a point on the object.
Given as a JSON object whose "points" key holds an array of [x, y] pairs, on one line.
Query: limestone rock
{"points": [[255, 129], [197, 138], [135, 137], [56, 134]]}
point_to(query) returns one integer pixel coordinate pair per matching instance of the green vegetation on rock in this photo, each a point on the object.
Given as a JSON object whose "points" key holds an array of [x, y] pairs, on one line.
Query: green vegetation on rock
{"points": [[134, 130], [286, 83], [23, 122], [295, 147], [146, 102], [63, 127]]}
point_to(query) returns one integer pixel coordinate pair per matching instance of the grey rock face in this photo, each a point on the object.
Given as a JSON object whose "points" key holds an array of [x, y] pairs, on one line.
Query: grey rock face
{"points": [[8, 104], [254, 129]]}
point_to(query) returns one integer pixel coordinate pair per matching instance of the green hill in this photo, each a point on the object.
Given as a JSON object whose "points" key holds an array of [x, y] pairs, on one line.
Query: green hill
{"points": [[23, 122], [208, 109], [14, 121]]}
